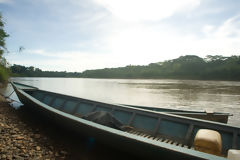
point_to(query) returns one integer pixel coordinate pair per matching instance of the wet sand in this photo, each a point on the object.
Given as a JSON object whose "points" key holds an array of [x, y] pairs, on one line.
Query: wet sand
{"points": [[25, 135]]}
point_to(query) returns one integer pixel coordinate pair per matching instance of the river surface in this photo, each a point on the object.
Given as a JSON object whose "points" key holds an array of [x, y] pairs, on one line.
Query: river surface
{"points": [[220, 96]]}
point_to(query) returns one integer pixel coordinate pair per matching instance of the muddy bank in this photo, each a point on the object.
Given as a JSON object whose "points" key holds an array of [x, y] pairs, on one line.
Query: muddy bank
{"points": [[25, 135]]}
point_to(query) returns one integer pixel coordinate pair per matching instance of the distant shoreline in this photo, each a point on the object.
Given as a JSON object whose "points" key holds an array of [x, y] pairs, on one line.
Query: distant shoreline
{"points": [[137, 78], [189, 67]]}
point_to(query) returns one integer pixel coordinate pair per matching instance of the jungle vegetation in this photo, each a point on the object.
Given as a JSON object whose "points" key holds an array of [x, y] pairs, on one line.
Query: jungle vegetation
{"points": [[3, 49], [211, 67]]}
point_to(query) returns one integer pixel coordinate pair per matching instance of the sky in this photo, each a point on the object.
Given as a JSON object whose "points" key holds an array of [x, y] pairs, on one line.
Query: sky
{"points": [[76, 35]]}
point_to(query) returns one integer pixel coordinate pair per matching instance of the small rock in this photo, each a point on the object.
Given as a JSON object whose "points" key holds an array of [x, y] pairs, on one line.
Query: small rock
{"points": [[51, 147], [8, 127], [19, 137], [1, 124], [4, 156], [38, 148], [39, 156], [30, 139], [9, 157], [37, 136], [22, 147], [31, 152], [17, 157], [56, 154], [63, 152]]}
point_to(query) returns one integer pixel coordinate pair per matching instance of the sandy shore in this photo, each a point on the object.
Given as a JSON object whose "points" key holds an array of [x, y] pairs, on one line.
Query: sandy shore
{"points": [[24, 135]]}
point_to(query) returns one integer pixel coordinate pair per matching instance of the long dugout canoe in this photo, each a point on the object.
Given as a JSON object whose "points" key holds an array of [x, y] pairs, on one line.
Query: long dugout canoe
{"points": [[205, 115], [154, 134]]}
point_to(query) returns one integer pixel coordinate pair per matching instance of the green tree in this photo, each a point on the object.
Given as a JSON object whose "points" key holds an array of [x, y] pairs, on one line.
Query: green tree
{"points": [[3, 36], [3, 62]]}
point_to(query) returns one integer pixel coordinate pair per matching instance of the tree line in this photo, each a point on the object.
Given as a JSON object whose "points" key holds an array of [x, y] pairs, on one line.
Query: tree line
{"points": [[22, 71], [215, 67]]}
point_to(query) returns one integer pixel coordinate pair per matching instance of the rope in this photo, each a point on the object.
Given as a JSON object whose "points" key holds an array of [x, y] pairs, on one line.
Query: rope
{"points": [[8, 97], [13, 100], [9, 94]]}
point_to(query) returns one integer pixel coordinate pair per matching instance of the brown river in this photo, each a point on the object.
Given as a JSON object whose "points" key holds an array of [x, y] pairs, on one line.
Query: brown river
{"points": [[220, 96]]}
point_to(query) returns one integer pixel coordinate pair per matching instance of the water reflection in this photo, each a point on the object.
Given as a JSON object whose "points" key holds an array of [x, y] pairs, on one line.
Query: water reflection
{"points": [[222, 96]]}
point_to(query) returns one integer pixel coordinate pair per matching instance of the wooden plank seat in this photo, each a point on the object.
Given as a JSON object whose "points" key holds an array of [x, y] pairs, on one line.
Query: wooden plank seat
{"points": [[157, 138]]}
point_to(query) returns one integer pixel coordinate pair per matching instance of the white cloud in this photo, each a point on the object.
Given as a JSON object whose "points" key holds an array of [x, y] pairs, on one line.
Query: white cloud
{"points": [[5, 1], [138, 10], [223, 39], [208, 29], [36, 51], [143, 44], [230, 28], [69, 60]]}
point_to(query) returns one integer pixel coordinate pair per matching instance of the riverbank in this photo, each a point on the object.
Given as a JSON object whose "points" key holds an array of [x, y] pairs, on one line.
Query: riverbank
{"points": [[25, 135], [19, 140]]}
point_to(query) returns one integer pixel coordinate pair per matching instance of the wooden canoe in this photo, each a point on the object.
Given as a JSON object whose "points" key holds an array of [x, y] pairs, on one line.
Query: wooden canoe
{"points": [[154, 134], [205, 115]]}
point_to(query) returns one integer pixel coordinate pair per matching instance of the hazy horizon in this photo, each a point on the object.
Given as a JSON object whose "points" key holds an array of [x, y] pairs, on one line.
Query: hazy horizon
{"points": [[76, 35]]}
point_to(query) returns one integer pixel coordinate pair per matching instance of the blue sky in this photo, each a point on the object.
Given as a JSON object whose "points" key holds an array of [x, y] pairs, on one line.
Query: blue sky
{"points": [[75, 35]]}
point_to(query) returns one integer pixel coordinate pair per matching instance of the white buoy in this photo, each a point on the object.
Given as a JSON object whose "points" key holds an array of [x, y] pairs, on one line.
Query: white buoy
{"points": [[233, 154], [208, 141]]}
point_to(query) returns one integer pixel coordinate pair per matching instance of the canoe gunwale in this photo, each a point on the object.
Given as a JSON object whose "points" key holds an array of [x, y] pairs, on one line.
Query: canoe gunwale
{"points": [[13, 84]]}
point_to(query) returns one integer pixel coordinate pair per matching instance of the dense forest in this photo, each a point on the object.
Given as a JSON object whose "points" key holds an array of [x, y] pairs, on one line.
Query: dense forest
{"points": [[3, 49], [185, 67], [22, 71]]}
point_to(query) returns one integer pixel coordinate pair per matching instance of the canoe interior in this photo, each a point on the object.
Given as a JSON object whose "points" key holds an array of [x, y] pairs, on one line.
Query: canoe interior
{"points": [[176, 130]]}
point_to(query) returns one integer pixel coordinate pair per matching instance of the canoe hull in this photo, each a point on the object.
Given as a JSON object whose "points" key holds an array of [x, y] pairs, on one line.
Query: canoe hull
{"points": [[209, 117], [103, 136], [214, 116], [125, 142]]}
